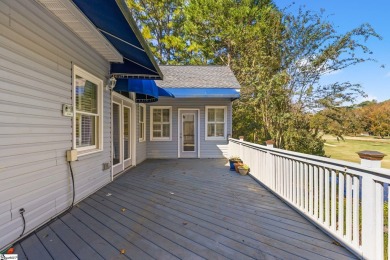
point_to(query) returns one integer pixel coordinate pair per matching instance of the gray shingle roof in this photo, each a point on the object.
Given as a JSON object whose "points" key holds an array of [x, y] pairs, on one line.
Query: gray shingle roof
{"points": [[197, 77]]}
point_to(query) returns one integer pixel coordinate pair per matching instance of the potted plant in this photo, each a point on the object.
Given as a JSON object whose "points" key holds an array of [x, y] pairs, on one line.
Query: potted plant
{"points": [[236, 165], [243, 169], [233, 160]]}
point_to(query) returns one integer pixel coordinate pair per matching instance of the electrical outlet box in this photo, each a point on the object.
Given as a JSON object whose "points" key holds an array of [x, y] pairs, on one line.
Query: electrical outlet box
{"points": [[106, 166], [67, 110], [71, 155]]}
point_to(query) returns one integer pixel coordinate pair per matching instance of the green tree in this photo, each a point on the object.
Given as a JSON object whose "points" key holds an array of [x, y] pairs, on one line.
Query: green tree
{"points": [[162, 25], [277, 57], [379, 116]]}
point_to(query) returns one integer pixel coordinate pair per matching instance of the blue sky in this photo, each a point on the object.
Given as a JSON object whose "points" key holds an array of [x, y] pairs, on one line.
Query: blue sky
{"points": [[346, 15]]}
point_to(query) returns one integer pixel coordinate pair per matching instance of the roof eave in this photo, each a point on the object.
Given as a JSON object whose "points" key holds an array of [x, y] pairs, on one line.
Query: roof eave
{"points": [[63, 9]]}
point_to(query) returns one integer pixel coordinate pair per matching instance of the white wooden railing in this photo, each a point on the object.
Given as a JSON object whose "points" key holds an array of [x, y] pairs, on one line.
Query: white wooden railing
{"points": [[326, 191]]}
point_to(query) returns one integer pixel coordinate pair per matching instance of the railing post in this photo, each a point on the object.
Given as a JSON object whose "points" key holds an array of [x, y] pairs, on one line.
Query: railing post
{"points": [[270, 166], [370, 239]]}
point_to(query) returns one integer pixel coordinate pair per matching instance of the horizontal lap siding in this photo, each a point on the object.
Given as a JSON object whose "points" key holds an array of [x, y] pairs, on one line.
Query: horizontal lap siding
{"points": [[169, 149], [36, 56]]}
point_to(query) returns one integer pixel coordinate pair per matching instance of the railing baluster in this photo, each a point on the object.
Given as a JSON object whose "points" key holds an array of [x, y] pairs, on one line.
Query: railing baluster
{"points": [[356, 220], [333, 201], [270, 164], [302, 184], [277, 180], [288, 179], [321, 195], [379, 219], [348, 207], [305, 170], [341, 204], [294, 181], [285, 177], [327, 198], [311, 190], [315, 172], [299, 186], [388, 222]]}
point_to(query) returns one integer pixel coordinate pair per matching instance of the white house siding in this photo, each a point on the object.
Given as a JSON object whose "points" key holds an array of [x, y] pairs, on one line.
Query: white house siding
{"points": [[208, 149], [36, 56]]}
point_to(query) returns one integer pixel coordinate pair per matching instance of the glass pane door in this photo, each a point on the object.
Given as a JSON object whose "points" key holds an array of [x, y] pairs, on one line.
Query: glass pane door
{"points": [[188, 132], [116, 156], [126, 133]]}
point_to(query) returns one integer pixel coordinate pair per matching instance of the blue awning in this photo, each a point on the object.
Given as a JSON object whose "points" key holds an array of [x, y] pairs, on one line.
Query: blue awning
{"points": [[113, 19], [147, 91], [204, 92]]}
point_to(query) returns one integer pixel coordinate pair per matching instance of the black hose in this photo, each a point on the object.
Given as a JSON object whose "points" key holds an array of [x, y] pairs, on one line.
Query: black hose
{"points": [[21, 211], [74, 192]]}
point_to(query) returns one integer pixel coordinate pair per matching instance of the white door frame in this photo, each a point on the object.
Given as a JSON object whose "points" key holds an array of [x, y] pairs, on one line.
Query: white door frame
{"points": [[127, 162], [125, 102], [120, 164], [179, 128]]}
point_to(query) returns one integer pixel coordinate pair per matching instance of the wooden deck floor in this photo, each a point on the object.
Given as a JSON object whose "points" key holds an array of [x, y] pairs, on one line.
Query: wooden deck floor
{"points": [[186, 209]]}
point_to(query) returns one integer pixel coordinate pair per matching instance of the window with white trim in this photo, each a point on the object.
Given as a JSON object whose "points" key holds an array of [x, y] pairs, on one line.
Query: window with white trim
{"points": [[87, 124], [142, 122], [216, 122], [160, 123]]}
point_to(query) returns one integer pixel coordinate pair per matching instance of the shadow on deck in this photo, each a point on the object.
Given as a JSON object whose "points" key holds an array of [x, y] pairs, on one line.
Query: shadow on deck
{"points": [[187, 209]]}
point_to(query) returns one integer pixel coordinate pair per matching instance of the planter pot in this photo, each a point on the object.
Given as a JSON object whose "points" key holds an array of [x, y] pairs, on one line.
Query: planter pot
{"points": [[232, 162], [236, 165], [243, 171]]}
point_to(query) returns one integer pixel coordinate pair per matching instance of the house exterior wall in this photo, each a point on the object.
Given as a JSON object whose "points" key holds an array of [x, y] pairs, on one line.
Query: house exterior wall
{"points": [[36, 57], [208, 148]]}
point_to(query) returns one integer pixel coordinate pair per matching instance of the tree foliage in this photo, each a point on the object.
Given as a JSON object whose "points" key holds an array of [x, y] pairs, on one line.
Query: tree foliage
{"points": [[162, 25], [278, 58]]}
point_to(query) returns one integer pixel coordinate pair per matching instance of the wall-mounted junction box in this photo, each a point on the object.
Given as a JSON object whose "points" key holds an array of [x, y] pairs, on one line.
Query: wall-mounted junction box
{"points": [[67, 110], [71, 155]]}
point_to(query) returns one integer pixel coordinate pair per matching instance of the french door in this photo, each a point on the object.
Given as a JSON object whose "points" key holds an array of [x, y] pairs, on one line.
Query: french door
{"points": [[122, 131]]}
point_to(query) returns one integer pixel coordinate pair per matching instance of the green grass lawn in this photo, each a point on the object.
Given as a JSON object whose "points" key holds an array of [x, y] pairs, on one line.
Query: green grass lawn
{"points": [[347, 150]]}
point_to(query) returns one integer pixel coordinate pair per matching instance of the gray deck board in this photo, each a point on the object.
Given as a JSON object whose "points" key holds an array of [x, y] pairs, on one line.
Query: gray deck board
{"points": [[103, 247], [260, 233], [54, 245], [181, 209], [230, 208], [19, 249], [34, 249], [273, 227], [73, 241], [114, 221], [177, 227], [105, 232]]}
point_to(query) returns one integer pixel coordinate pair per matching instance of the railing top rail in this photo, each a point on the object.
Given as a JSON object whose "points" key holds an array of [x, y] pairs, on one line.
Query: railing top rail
{"points": [[317, 160]]}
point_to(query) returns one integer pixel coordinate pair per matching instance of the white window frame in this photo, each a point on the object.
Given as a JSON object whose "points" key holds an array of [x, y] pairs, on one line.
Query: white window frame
{"points": [[99, 126], [152, 138], [142, 121], [213, 138]]}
